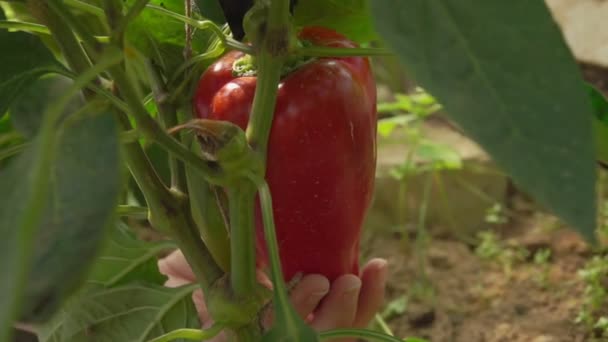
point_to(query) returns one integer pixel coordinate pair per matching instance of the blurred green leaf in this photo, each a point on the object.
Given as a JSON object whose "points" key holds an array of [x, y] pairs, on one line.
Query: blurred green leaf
{"points": [[496, 77], [124, 259], [19, 215], [28, 107], [438, 156], [349, 17], [24, 58], [388, 125], [134, 313], [85, 180], [395, 307]]}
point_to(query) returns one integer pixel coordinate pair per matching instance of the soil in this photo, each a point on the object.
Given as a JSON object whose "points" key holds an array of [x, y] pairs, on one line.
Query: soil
{"points": [[445, 291], [467, 298]]}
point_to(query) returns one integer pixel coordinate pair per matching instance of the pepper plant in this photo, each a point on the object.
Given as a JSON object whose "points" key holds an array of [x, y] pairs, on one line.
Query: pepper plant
{"points": [[97, 97]]}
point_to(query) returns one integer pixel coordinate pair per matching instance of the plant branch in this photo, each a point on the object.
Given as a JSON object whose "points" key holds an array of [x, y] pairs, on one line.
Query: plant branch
{"points": [[152, 131], [242, 245], [91, 44], [24, 26], [264, 102], [168, 116], [190, 334], [86, 7]]}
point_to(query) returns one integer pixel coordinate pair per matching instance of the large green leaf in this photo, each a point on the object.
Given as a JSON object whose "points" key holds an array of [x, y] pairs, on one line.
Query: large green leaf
{"points": [[349, 17], [85, 181], [28, 108], [126, 259], [23, 59], [505, 75], [19, 214], [134, 313]]}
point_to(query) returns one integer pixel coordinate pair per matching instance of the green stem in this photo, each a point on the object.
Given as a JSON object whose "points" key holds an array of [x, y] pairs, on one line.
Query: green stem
{"points": [[168, 117], [168, 211], [209, 216], [272, 245], [13, 150], [37, 28], [288, 324], [278, 24], [370, 335], [385, 328], [93, 47], [24, 26], [132, 211], [242, 245], [190, 334], [152, 131], [421, 233], [264, 102], [320, 51], [86, 7]]}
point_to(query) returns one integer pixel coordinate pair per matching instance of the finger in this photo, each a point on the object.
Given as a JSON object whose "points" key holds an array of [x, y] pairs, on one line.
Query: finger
{"points": [[308, 293], [263, 279], [305, 296], [338, 308], [201, 308], [176, 282], [371, 297], [175, 265]]}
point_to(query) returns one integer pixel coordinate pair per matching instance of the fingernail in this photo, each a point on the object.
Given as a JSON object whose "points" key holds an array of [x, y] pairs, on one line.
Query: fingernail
{"points": [[316, 296], [383, 267], [353, 287]]}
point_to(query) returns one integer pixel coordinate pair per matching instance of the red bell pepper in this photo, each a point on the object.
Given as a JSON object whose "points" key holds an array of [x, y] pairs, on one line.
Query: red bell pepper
{"points": [[321, 157]]}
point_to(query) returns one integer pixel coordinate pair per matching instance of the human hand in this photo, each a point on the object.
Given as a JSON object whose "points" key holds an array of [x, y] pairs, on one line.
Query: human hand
{"points": [[349, 302]]}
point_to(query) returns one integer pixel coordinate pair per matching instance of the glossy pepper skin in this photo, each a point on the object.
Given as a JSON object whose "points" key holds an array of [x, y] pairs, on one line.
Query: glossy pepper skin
{"points": [[321, 153]]}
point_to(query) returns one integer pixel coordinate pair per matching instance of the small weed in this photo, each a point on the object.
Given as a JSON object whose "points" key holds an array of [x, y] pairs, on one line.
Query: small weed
{"points": [[542, 258], [492, 248], [595, 297], [496, 214]]}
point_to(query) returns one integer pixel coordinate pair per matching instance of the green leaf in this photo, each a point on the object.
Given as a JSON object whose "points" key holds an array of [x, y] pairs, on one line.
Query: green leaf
{"points": [[211, 10], [503, 72], [24, 58], [600, 123], [19, 215], [27, 109], [134, 313], [125, 259], [349, 17], [161, 37], [85, 182], [388, 125]]}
